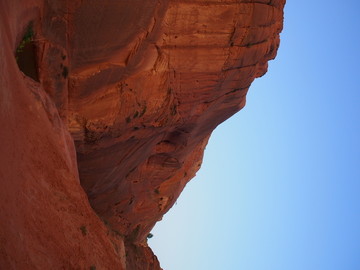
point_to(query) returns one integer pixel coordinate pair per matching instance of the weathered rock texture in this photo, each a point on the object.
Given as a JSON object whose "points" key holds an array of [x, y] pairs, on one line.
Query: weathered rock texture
{"points": [[128, 95]]}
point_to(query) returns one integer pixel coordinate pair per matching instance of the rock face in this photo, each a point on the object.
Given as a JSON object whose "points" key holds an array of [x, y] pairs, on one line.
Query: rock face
{"points": [[100, 142]]}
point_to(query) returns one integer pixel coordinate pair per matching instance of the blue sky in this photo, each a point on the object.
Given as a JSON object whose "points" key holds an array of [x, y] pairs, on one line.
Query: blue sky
{"points": [[279, 188]]}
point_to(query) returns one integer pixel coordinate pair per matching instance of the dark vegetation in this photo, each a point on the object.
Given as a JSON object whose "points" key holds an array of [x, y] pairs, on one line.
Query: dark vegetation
{"points": [[83, 230]]}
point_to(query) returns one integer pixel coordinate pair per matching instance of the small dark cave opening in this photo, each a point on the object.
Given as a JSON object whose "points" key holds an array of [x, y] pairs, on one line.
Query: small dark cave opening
{"points": [[26, 54]]}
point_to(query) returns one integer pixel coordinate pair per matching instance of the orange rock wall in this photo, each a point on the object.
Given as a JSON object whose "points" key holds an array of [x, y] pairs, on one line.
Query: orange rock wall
{"points": [[145, 94], [46, 219], [129, 94]]}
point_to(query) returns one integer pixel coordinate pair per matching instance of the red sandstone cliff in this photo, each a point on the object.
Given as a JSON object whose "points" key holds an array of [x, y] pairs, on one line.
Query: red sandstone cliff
{"points": [[96, 150]]}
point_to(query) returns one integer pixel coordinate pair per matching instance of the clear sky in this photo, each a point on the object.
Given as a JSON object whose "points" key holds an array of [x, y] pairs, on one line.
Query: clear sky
{"points": [[279, 188]]}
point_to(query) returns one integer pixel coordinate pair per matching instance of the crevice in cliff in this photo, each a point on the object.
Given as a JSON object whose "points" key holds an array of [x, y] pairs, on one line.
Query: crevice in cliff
{"points": [[25, 54]]}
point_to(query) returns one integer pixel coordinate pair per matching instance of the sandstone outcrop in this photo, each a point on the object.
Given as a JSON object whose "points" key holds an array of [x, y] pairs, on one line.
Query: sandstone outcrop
{"points": [[99, 141]]}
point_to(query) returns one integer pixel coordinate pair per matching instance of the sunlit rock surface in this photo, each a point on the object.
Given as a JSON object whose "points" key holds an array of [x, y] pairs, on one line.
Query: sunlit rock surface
{"points": [[99, 141]]}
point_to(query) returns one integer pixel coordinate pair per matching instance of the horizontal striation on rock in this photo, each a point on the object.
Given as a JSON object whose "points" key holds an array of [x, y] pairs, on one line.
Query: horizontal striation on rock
{"points": [[139, 85], [145, 96]]}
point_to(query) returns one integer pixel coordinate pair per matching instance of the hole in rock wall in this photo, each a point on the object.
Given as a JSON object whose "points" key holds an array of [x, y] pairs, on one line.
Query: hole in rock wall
{"points": [[25, 54]]}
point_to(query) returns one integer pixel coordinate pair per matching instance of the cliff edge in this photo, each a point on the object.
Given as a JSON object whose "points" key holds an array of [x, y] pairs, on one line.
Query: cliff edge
{"points": [[106, 108]]}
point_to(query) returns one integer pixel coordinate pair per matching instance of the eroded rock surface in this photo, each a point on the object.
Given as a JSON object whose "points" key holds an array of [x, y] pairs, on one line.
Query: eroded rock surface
{"points": [[134, 90]]}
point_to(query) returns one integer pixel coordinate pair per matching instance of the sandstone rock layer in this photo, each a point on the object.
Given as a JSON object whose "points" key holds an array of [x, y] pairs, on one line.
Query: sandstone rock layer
{"points": [[99, 146]]}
